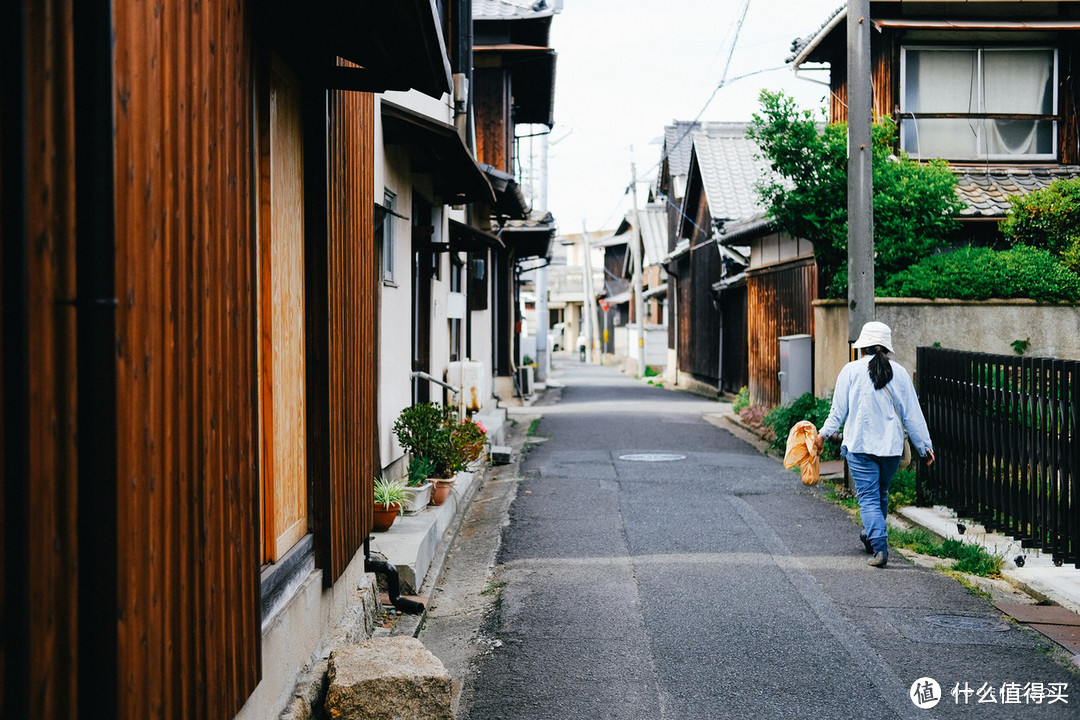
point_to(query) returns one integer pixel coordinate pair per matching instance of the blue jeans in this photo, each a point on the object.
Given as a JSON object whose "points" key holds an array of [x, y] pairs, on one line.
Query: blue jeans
{"points": [[872, 475]]}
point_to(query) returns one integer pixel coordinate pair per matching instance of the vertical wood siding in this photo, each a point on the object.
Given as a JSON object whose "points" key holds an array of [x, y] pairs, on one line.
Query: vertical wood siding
{"points": [[1069, 126], [885, 83], [779, 303], [492, 101], [38, 512], [188, 625], [351, 358], [704, 333], [733, 361]]}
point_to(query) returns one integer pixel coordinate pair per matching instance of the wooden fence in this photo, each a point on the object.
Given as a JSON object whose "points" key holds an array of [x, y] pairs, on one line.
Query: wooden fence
{"points": [[1003, 430]]}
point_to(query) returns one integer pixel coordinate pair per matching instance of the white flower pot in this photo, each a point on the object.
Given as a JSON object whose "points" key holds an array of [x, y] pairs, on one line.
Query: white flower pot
{"points": [[417, 498]]}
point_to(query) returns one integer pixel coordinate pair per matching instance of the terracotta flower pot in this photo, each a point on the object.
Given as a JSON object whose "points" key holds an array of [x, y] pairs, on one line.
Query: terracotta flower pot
{"points": [[442, 489], [385, 517]]}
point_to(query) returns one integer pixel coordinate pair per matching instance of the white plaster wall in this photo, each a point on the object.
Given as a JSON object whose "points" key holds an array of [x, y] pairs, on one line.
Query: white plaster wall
{"points": [[394, 386], [989, 326]]}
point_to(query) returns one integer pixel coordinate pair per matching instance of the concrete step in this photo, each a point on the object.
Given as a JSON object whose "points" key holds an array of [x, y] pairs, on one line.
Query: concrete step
{"points": [[412, 540], [494, 420]]}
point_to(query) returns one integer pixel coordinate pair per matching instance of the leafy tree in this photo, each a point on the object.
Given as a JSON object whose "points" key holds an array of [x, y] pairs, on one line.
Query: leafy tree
{"points": [[914, 204], [1049, 219]]}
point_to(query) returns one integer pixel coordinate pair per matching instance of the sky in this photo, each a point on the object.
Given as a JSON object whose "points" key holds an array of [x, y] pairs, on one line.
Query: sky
{"points": [[628, 68]]}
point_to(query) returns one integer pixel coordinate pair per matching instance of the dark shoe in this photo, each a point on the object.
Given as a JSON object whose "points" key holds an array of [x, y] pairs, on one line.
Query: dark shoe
{"points": [[880, 559], [866, 543]]}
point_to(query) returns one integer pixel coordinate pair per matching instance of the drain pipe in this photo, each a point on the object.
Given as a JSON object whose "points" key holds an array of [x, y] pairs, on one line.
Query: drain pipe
{"points": [[393, 583]]}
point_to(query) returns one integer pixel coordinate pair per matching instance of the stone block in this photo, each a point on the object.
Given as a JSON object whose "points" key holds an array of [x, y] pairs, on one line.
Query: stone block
{"points": [[501, 454], [392, 678]]}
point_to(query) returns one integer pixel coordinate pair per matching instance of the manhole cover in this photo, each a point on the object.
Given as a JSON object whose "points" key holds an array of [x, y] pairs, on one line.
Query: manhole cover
{"points": [[967, 622], [652, 457]]}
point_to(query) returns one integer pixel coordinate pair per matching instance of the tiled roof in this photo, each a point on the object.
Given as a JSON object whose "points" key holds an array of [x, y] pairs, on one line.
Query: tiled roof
{"points": [[985, 191], [678, 140], [677, 144], [654, 232], [730, 168], [513, 9], [535, 221], [800, 45]]}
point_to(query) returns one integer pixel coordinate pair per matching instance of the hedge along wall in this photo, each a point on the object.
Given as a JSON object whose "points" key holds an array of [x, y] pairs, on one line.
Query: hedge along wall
{"points": [[985, 326]]}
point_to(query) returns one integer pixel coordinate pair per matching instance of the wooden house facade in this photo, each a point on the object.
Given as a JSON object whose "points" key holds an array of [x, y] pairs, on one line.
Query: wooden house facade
{"points": [[189, 339], [987, 86]]}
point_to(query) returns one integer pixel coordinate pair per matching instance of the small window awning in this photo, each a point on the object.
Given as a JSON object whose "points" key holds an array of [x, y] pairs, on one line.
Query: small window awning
{"points": [[440, 151], [532, 77], [394, 45], [530, 237], [509, 200], [466, 238]]}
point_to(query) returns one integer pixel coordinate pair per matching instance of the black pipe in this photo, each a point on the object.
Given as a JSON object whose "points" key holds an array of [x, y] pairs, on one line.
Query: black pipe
{"points": [[393, 583]]}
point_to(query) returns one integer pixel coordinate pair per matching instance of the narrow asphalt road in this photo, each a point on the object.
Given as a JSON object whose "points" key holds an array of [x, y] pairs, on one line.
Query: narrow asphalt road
{"points": [[656, 566]]}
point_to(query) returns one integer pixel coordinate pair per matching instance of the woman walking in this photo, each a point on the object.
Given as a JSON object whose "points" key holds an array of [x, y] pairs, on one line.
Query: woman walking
{"points": [[875, 402]]}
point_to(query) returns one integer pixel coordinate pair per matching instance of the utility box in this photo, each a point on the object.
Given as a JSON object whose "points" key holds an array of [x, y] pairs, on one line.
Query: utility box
{"points": [[796, 367], [470, 376], [525, 380]]}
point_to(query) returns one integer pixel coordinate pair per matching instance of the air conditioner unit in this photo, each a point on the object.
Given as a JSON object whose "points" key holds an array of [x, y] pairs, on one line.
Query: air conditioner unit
{"points": [[525, 380]]}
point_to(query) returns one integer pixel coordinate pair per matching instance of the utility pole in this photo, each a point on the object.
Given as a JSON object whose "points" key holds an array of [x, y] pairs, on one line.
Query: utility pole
{"points": [[589, 310], [636, 250], [860, 170], [543, 321]]}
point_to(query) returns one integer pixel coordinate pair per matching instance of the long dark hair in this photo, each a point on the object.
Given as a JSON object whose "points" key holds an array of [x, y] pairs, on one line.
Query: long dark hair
{"points": [[880, 367]]}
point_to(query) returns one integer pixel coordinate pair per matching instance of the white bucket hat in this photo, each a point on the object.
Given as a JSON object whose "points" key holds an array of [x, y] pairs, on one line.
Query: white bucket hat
{"points": [[874, 333]]}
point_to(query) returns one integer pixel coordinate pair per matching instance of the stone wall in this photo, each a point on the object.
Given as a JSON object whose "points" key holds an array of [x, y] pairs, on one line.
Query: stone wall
{"points": [[987, 326]]}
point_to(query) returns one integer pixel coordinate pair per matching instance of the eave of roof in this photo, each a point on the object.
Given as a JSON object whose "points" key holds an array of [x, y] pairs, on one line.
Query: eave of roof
{"points": [[392, 46], [985, 191], [458, 178]]}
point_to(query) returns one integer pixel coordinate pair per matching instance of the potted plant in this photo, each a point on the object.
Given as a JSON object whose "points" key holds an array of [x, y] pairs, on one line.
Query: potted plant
{"points": [[389, 496], [470, 437], [426, 430], [417, 488]]}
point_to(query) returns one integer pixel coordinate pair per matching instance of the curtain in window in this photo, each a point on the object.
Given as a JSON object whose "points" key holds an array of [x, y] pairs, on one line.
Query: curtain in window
{"points": [[970, 80], [1018, 81], [940, 81]]}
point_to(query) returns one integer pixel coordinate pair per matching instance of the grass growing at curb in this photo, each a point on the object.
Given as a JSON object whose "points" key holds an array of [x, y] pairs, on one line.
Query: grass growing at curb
{"points": [[970, 558], [493, 587], [533, 427]]}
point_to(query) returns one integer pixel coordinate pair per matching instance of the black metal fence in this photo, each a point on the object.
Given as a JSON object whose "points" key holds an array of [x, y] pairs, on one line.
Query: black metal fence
{"points": [[1003, 429]]}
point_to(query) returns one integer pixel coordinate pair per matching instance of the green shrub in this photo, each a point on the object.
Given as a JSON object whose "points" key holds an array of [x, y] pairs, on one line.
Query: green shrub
{"points": [[807, 407], [981, 273], [902, 488], [742, 400], [1047, 218]]}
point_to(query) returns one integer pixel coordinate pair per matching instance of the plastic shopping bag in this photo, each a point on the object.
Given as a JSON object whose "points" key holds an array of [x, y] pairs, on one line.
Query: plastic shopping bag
{"points": [[802, 451]]}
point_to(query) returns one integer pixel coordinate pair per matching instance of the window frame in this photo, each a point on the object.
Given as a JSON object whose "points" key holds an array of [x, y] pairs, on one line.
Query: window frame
{"points": [[981, 155], [387, 240]]}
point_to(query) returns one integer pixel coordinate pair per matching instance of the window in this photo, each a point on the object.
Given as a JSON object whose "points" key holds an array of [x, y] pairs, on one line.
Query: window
{"points": [[979, 103], [386, 231]]}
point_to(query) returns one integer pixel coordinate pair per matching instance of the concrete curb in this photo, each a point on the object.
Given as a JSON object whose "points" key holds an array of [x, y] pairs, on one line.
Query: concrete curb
{"points": [[1038, 578]]}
